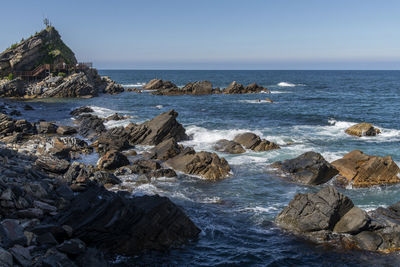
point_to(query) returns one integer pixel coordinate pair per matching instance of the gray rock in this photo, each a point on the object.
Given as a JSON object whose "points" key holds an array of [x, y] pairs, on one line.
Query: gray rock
{"points": [[46, 127], [314, 212], [73, 246], [92, 258], [21, 255], [6, 259], [11, 233], [308, 168], [54, 258], [254, 142], [368, 240], [230, 147], [352, 222], [165, 150]]}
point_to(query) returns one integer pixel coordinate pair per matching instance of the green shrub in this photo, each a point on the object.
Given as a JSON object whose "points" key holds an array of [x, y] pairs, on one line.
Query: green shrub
{"points": [[62, 74], [10, 76], [14, 45]]}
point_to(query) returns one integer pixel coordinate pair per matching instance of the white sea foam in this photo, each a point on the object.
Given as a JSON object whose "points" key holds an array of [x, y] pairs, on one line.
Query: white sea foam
{"points": [[258, 209], [279, 92], [204, 139], [159, 106], [111, 124], [256, 101], [133, 85], [286, 84]]}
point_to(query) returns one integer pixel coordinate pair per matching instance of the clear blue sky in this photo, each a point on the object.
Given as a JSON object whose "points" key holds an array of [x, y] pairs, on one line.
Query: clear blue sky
{"points": [[217, 34]]}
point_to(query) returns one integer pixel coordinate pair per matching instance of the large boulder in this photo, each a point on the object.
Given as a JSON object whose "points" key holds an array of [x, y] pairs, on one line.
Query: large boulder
{"points": [[309, 168], [117, 138], [165, 150], [111, 87], [228, 146], [205, 164], [160, 128], [90, 126], [362, 170], [192, 88], [157, 84], [234, 88], [254, 142], [314, 212], [13, 88], [255, 88], [52, 164], [363, 129], [75, 85], [126, 225], [112, 160]]}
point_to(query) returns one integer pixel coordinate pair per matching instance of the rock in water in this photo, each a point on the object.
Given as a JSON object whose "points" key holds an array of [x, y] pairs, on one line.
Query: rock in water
{"points": [[112, 160], [314, 212], [125, 225], [205, 164], [363, 129], [254, 142], [362, 170], [160, 128], [230, 147], [157, 84], [165, 150], [308, 168], [234, 88]]}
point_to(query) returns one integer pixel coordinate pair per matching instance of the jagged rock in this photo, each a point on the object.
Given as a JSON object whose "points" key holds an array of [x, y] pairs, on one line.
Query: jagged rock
{"points": [[111, 86], [228, 146], [116, 117], [75, 85], [362, 170], [255, 88], [66, 130], [157, 84], [90, 126], [254, 142], [66, 147], [205, 164], [352, 222], [117, 138], [11, 233], [46, 127], [13, 88], [363, 129], [78, 171], [45, 46], [126, 226], [6, 258], [165, 150], [54, 258], [52, 164], [72, 247], [21, 255], [314, 212], [160, 128], [78, 111], [308, 168], [103, 178], [237, 88], [9, 126], [47, 239], [112, 160], [192, 88]]}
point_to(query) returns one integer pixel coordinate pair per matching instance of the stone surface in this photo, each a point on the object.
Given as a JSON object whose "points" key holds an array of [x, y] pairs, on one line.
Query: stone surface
{"points": [[45, 127], [362, 170], [6, 259], [252, 141], [165, 150], [352, 222], [52, 164], [308, 168], [314, 212], [21, 255], [228, 146], [78, 111], [112, 160], [73, 246], [126, 226], [66, 130], [205, 164], [363, 129], [157, 84], [11, 233]]}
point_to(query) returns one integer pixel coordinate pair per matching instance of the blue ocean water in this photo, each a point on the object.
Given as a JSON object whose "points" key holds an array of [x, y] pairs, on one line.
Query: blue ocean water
{"points": [[311, 110]]}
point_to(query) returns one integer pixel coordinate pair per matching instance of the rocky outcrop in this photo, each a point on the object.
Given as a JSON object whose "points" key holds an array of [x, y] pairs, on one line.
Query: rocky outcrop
{"points": [[16, 129], [124, 225], [254, 142], [111, 87], [192, 88], [13, 88], [363, 129], [90, 126], [228, 146], [205, 164], [237, 88], [112, 160], [330, 217], [45, 47], [160, 128], [165, 150], [157, 84], [78, 111], [309, 168], [362, 170]]}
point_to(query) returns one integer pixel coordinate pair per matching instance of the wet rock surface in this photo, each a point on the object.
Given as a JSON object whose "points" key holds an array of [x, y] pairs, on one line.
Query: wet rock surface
{"points": [[252, 141]]}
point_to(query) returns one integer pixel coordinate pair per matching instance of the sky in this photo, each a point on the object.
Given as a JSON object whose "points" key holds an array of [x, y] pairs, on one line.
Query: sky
{"points": [[216, 34]]}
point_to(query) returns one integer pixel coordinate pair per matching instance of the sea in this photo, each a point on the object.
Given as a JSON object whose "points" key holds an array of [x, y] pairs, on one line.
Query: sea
{"points": [[310, 111]]}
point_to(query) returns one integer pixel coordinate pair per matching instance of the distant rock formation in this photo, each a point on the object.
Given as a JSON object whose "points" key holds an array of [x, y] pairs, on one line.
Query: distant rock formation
{"points": [[363, 129]]}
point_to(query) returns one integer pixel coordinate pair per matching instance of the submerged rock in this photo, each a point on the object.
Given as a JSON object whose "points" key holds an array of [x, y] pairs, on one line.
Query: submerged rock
{"points": [[363, 129], [308, 168], [254, 142], [230, 147], [362, 170]]}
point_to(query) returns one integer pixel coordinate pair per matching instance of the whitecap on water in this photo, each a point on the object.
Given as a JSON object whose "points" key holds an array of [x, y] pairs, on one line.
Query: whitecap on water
{"points": [[133, 85], [256, 101], [286, 84]]}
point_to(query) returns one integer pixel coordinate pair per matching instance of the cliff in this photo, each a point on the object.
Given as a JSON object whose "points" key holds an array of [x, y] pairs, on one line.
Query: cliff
{"points": [[45, 47]]}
